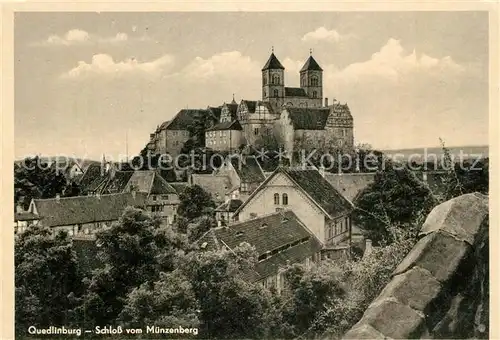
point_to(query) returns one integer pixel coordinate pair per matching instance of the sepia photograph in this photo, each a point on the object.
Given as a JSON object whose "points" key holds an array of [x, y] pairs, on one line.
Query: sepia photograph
{"points": [[251, 174]]}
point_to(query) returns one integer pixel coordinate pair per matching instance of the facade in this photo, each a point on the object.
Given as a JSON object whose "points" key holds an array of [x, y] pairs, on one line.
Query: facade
{"points": [[280, 239], [225, 136], [170, 136], [225, 211], [308, 194], [326, 128], [245, 174], [84, 214], [23, 220]]}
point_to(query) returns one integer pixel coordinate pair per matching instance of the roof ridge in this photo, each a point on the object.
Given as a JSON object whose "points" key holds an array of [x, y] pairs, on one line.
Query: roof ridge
{"points": [[263, 216], [81, 196]]}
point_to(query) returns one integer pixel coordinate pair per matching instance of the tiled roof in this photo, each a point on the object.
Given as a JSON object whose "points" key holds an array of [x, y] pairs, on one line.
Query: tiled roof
{"points": [[281, 235], [250, 104], [320, 190], [273, 63], [350, 184], [230, 206], [234, 125], [185, 118], [233, 108], [311, 65], [248, 169], [90, 174], [215, 111], [295, 92], [308, 118], [315, 186], [85, 209], [25, 216], [164, 125], [150, 181], [216, 185], [118, 182], [179, 186]]}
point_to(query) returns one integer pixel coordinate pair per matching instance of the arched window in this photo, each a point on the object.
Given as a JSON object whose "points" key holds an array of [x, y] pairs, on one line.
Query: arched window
{"points": [[265, 80], [285, 199], [315, 94], [314, 81], [276, 93], [265, 93], [276, 79], [276, 198]]}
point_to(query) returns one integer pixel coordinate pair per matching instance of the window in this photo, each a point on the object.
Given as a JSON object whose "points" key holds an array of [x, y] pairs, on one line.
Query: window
{"points": [[276, 198], [256, 131], [265, 94], [314, 81], [285, 199], [220, 133], [343, 132], [315, 94], [154, 198], [174, 133], [165, 197], [276, 79], [244, 187], [264, 79], [276, 93]]}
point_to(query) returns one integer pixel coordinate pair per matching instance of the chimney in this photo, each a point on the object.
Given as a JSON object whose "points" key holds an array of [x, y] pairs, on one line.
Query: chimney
{"points": [[424, 176], [58, 197], [326, 101], [219, 223]]}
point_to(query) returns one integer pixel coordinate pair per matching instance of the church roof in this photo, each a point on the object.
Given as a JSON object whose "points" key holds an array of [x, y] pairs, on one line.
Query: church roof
{"points": [[251, 105], [273, 63], [295, 92], [311, 65], [308, 118]]}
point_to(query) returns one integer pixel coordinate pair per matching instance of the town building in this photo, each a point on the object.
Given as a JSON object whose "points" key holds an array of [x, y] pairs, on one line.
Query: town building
{"points": [[225, 136], [311, 197], [84, 214], [225, 211], [279, 238]]}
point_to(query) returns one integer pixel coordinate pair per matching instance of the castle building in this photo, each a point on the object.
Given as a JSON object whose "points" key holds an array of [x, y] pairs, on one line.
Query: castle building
{"points": [[293, 117]]}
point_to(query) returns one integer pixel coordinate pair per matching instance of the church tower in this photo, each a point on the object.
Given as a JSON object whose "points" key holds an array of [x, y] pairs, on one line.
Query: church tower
{"points": [[273, 82], [311, 80]]}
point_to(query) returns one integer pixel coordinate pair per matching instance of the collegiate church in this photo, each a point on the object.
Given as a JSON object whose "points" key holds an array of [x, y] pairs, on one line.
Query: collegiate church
{"points": [[295, 117]]}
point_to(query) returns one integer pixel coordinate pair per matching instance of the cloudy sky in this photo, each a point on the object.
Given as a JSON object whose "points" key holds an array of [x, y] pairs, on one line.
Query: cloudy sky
{"points": [[85, 80]]}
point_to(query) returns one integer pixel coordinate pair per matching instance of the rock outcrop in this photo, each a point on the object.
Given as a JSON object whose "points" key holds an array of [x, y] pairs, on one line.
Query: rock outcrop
{"points": [[441, 288]]}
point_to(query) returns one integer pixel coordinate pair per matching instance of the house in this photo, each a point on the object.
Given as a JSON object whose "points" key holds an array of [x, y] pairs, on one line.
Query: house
{"points": [[225, 211], [225, 136], [84, 214], [217, 185], [24, 220], [245, 174], [162, 199], [316, 203], [350, 184], [257, 119], [280, 239], [326, 128], [171, 135]]}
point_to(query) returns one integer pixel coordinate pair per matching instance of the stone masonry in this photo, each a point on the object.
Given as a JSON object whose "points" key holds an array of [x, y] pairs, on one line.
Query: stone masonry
{"points": [[441, 289]]}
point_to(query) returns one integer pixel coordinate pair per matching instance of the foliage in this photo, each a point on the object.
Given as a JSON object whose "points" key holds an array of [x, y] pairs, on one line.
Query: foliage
{"points": [[395, 198], [154, 161], [195, 202], [46, 278], [71, 190], [363, 281], [171, 297], [35, 179], [309, 288], [134, 251], [199, 226], [230, 306]]}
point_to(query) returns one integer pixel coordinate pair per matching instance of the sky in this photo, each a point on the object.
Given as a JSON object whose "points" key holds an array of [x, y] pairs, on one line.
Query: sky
{"points": [[85, 83]]}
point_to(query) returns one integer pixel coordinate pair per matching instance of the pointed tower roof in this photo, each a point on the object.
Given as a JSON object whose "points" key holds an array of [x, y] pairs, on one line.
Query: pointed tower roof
{"points": [[311, 65], [273, 63]]}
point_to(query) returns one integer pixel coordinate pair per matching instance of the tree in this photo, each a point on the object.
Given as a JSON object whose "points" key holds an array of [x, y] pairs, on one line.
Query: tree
{"points": [[230, 306], [35, 179], [46, 279], [396, 198], [309, 288], [195, 202], [71, 190], [134, 251], [169, 299], [199, 226]]}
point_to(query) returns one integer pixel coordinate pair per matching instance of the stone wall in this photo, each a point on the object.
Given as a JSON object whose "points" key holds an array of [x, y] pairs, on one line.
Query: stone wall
{"points": [[441, 289]]}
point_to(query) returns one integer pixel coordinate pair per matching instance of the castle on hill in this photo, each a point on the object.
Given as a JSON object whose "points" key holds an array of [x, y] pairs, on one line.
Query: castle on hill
{"points": [[294, 117]]}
